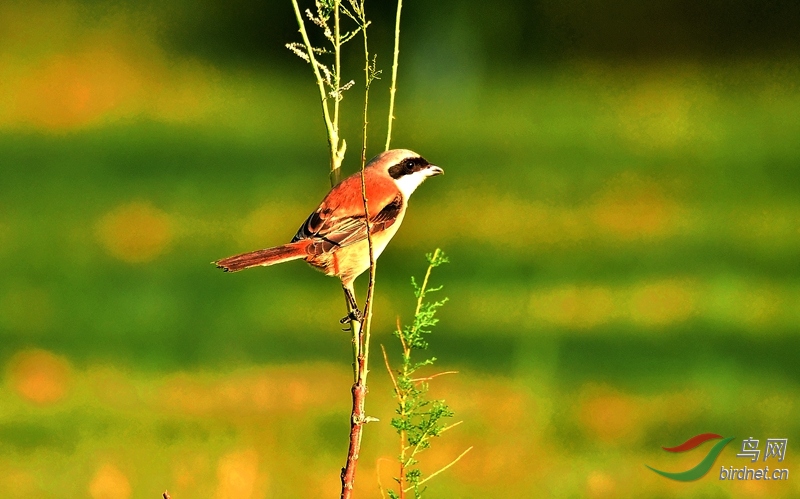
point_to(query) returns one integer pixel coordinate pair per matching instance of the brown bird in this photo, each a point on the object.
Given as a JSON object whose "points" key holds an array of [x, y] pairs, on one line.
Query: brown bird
{"points": [[333, 238]]}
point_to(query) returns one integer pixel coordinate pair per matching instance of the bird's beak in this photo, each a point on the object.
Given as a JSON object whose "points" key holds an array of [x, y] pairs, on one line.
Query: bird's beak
{"points": [[435, 170]]}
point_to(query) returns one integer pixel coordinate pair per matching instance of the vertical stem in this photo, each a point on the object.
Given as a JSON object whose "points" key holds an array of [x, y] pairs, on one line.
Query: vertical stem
{"points": [[359, 390], [357, 419], [337, 82], [337, 77], [331, 128], [393, 88], [403, 414], [372, 262], [405, 374], [425, 282]]}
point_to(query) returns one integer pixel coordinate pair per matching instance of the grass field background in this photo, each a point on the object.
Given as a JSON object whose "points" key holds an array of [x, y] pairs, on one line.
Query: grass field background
{"points": [[624, 239]]}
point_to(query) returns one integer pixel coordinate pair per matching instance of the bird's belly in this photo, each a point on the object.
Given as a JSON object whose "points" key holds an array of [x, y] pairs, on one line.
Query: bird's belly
{"points": [[349, 262]]}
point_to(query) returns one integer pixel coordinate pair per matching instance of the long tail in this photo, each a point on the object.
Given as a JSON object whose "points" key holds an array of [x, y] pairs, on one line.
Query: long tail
{"points": [[264, 257]]}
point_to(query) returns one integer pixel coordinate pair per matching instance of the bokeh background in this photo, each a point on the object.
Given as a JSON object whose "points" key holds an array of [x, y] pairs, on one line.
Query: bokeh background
{"points": [[621, 208]]}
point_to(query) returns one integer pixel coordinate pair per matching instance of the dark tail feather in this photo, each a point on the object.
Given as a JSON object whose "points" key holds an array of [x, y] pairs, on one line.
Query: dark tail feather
{"points": [[264, 257]]}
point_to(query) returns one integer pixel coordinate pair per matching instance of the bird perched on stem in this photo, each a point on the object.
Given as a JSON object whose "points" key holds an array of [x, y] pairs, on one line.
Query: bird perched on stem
{"points": [[333, 238]]}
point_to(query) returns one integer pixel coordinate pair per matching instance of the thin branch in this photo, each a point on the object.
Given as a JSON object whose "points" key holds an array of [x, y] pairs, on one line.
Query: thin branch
{"points": [[400, 334], [337, 51], [449, 427], [441, 470], [372, 262], [417, 380], [425, 283], [417, 447], [389, 370], [358, 416], [393, 88]]}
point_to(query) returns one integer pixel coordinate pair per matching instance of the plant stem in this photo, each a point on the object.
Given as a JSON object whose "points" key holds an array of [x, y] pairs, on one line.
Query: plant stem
{"points": [[425, 282], [331, 127], [393, 88], [357, 420], [417, 380], [337, 82], [359, 390], [401, 397], [408, 452], [372, 262], [337, 155]]}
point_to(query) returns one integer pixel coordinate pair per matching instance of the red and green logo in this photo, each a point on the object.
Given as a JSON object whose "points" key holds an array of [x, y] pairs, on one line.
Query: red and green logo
{"points": [[703, 466]]}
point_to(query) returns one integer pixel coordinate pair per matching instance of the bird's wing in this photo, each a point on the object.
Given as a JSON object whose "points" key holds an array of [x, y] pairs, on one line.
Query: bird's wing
{"points": [[331, 228]]}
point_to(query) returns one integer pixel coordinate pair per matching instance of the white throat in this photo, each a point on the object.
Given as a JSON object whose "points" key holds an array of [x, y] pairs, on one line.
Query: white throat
{"points": [[409, 183]]}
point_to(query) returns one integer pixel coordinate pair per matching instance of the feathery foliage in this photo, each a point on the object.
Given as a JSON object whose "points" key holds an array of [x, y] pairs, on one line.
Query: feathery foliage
{"points": [[419, 419]]}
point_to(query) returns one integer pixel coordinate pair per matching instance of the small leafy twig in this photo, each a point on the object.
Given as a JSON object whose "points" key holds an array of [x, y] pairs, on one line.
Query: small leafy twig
{"points": [[332, 78], [419, 419]]}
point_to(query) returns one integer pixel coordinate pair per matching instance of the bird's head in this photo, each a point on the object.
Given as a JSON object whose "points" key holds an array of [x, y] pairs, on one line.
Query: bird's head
{"points": [[407, 168]]}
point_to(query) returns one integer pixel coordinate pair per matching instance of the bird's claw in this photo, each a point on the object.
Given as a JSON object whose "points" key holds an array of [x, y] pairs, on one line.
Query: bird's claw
{"points": [[354, 315]]}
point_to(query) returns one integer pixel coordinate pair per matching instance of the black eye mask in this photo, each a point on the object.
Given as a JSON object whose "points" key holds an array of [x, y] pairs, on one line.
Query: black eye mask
{"points": [[408, 166]]}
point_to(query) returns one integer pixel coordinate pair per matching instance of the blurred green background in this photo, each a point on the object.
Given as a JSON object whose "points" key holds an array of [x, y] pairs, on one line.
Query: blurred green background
{"points": [[621, 209]]}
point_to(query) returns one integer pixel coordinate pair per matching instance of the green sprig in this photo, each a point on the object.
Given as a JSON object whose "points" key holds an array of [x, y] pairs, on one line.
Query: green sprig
{"points": [[418, 419]]}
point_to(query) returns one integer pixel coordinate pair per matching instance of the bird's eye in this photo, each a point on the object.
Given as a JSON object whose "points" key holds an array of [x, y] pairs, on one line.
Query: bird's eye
{"points": [[408, 165]]}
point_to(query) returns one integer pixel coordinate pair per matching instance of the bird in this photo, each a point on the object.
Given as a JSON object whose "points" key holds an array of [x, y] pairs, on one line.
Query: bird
{"points": [[333, 239]]}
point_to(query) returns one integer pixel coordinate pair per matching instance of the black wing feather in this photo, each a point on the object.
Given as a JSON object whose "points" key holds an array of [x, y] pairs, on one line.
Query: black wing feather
{"points": [[330, 232]]}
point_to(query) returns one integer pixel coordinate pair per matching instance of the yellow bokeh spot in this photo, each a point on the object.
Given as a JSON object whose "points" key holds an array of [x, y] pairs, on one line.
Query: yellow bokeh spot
{"points": [[328, 483], [655, 114], [600, 485], [17, 482], [574, 306], [770, 229], [77, 89], [109, 483], [40, 376], [759, 306], [631, 207], [58, 74], [269, 224], [662, 303], [135, 232], [237, 474], [677, 408], [609, 416], [252, 391], [627, 210]]}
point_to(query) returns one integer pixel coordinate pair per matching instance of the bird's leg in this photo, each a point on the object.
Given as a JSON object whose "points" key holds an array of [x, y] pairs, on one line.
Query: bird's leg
{"points": [[355, 314]]}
